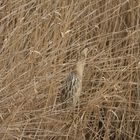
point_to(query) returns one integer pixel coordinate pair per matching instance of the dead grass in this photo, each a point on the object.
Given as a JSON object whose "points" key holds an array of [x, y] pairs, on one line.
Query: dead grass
{"points": [[40, 41]]}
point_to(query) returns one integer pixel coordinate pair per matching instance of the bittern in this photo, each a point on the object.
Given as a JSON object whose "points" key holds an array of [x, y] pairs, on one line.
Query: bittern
{"points": [[73, 84]]}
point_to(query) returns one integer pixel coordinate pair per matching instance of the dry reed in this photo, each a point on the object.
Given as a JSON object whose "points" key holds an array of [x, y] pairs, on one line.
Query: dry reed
{"points": [[40, 41]]}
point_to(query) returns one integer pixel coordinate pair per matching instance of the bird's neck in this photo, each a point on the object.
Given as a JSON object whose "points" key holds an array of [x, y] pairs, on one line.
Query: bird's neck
{"points": [[80, 68]]}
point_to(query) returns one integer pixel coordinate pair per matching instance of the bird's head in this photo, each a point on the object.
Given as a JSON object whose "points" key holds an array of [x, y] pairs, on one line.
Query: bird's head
{"points": [[83, 55]]}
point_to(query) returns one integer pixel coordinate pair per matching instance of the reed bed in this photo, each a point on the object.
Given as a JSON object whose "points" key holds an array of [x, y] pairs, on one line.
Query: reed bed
{"points": [[40, 41]]}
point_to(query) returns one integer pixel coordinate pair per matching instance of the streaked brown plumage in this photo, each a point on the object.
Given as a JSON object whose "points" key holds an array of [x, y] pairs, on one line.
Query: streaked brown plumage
{"points": [[73, 84]]}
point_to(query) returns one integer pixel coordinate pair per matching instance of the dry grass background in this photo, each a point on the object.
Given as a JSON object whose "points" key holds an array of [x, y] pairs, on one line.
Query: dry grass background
{"points": [[40, 41]]}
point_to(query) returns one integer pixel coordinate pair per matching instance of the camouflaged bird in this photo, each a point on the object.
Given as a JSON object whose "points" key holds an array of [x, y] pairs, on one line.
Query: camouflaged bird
{"points": [[72, 86]]}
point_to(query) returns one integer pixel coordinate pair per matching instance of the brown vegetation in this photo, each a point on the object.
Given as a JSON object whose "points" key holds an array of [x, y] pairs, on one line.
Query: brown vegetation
{"points": [[40, 41]]}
